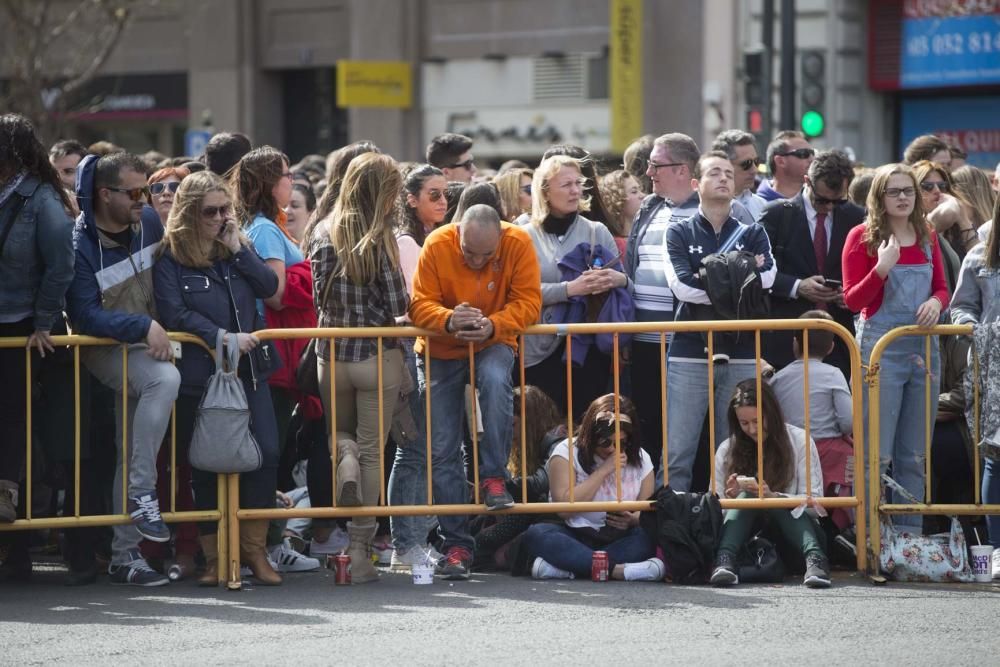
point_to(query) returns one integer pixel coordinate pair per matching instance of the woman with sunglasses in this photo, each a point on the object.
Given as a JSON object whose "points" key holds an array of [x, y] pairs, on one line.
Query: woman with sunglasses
{"points": [[600, 449], [514, 187], [944, 208], [424, 205], [163, 186], [784, 475], [206, 282], [894, 276]]}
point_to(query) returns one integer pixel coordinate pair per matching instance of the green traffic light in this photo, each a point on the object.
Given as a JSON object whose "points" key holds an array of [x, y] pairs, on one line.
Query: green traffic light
{"points": [[813, 123]]}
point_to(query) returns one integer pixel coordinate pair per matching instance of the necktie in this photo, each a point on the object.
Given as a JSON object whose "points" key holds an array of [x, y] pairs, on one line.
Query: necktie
{"points": [[819, 241]]}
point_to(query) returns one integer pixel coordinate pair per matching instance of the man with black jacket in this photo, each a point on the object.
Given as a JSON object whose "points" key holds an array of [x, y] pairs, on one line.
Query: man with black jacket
{"points": [[807, 233]]}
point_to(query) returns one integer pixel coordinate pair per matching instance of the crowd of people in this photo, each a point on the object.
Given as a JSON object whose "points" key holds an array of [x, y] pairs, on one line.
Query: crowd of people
{"points": [[242, 239]]}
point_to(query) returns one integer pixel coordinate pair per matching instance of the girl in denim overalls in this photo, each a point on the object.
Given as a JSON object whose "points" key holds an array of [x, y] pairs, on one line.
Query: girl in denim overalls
{"points": [[894, 276]]}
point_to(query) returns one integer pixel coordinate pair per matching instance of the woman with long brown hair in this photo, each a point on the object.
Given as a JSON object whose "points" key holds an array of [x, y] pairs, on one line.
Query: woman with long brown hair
{"points": [[784, 475], [355, 258]]}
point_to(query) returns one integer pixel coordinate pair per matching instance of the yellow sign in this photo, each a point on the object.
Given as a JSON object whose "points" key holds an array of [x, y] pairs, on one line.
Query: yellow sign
{"points": [[371, 83], [626, 72]]}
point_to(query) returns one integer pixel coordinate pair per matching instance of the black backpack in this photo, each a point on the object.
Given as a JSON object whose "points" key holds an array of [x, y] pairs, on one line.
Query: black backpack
{"points": [[687, 526]]}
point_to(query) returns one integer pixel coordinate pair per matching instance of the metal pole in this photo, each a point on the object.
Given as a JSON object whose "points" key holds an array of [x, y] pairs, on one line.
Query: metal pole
{"points": [[788, 121], [767, 37]]}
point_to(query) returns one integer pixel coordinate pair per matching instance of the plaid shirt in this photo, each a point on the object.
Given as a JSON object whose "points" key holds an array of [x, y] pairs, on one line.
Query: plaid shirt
{"points": [[376, 304]]}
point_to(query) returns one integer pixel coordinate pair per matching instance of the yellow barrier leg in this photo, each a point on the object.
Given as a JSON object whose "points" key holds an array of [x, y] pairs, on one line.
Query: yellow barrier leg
{"points": [[232, 506]]}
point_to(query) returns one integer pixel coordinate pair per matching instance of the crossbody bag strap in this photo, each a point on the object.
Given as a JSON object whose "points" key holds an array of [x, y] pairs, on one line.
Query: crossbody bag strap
{"points": [[17, 202]]}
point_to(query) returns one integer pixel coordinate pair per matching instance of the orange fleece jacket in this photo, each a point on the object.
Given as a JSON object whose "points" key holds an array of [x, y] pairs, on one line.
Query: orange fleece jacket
{"points": [[508, 290]]}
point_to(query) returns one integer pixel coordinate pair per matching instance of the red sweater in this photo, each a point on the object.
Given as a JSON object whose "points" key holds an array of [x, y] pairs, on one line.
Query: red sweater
{"points": [[863, 286]]}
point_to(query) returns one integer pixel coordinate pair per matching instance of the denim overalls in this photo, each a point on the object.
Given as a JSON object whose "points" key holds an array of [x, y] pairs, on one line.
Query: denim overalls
{"points": [[902, 377]]}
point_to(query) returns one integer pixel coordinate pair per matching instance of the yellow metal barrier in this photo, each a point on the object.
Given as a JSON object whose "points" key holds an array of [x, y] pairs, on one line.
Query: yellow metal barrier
{"points": [[78, 521], [875, 504]]}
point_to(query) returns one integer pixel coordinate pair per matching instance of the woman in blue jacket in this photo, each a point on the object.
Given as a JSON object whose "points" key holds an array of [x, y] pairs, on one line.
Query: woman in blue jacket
{"points": [[207, 281]]}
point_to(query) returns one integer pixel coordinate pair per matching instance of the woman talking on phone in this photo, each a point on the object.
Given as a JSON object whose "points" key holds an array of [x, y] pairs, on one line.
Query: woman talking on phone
{"points": [[784, 475], [894, 276], [206, 283]]}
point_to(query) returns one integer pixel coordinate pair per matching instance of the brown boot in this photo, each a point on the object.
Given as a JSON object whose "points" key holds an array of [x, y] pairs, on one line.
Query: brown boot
{"points": [[253, 552], [348, 472], [360, 551], [210, 547]]}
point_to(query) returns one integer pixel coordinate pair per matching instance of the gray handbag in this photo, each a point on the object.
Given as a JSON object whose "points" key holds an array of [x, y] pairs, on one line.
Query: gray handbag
{"points": [[222, 441]]}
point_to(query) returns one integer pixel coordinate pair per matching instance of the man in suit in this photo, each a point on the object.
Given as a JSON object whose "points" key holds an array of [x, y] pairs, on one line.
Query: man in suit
{"points": [[807, 235]]}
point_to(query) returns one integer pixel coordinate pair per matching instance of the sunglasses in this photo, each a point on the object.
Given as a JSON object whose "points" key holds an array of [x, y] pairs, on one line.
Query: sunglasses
{"points": [[800, 153], [929, 186], [135, 194], [526, 189], [823, 201], [435, 195], [215, 211], [747, 165], [159, 188], [468, 164]]}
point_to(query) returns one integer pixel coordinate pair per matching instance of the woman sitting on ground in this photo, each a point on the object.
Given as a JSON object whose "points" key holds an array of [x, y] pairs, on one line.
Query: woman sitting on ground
{"points": [[565, 551], [784, 471]]}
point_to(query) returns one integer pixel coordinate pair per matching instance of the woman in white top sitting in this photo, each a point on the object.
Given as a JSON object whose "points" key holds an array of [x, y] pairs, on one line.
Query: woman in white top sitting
{"points": [[565, 550], [784, 475]]}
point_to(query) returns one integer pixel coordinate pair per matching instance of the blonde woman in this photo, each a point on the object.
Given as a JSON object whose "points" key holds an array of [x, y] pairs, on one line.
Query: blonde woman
{"points": [[558, 230], [206, 282], [355, 260], [514, 187]]}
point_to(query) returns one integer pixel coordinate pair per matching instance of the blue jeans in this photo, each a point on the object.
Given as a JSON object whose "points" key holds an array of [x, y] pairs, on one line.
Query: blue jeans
{"points": [[408, 480], [687, 404], [447, 387], [558, 545], [991, 495]]}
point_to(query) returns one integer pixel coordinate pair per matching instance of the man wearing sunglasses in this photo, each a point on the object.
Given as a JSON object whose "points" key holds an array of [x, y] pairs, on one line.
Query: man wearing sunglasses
{"points": [[451, 153], [788, 158], [116, 238], [742, 151], [807, 234]]}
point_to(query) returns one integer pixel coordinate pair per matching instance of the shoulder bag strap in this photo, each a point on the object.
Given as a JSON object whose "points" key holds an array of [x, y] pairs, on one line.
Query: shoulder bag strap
{"points": [[16, 203]]}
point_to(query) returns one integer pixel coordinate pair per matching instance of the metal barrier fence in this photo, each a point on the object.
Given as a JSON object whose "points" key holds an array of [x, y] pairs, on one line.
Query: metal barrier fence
{"points": [[229, 513], [875, 504]]}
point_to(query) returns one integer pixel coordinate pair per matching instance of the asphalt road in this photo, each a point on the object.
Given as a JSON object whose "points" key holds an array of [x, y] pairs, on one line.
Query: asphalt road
{"points": [[497, 619]]}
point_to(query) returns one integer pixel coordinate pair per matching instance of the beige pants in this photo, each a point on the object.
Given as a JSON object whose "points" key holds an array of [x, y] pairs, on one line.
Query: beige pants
{"points": [[357, 394]]}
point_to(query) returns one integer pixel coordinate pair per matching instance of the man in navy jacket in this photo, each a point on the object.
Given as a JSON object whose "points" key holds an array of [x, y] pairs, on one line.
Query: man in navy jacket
{"points": [[116, 239], [713, 229]]}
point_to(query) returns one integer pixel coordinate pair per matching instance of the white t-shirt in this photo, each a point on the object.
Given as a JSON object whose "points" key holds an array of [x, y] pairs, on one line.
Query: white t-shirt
{"points": [[632, 477]]}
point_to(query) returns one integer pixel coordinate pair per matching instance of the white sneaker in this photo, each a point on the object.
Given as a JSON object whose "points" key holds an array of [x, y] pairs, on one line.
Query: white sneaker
{"points": [[996, 564], [543, 570], [433, 553], [651, 569], [335, 544], [403, 562], [290, 560]]}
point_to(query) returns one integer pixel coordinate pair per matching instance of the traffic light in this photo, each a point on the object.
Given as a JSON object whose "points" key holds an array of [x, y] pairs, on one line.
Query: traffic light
{"points": [[753, 89], [813, 88]]}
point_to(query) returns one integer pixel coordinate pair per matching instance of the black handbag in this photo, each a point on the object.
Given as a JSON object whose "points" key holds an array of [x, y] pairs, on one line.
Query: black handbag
{"points": [[759, 562], [306, 373]]}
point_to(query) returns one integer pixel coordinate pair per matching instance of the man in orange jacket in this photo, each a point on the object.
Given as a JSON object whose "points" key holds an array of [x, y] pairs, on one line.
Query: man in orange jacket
{"points": [[477, 284]]}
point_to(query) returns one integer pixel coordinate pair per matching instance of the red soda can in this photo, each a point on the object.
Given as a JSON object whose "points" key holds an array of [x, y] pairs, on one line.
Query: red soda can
{"points": [[341, 566], [599, 566]]}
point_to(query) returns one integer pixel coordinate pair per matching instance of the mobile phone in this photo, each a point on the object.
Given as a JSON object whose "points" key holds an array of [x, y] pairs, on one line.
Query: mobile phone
{"points": [[746, 482], [222, 229], [830, 282], [176, 347]]}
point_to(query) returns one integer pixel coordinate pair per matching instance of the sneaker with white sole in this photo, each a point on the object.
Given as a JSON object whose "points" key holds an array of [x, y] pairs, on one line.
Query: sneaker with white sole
{"points": [[136, 572], [287, 559], [542, 569], [335, 544], [996, 564], [651, 569], [403, 562], [144, 509]]}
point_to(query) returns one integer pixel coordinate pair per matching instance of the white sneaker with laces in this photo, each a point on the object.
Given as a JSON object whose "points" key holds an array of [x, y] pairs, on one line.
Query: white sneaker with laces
{"points": [[288, 559], [433, 553], [996, 564], [541, 569], [403, 562], [651, 569], [335, 544]]}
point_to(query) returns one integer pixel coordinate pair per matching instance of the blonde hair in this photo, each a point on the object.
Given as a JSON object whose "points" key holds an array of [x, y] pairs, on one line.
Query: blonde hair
{"points": [[614, 192], [546, 171], [181, 235], [509, 186], [973, 185], [877, 227], [362, 222]]}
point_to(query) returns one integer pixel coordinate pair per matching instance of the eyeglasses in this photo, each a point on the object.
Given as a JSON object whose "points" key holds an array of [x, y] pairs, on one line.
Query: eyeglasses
{"points": [[289, 175], [468, 164], [929, 186], [526, 189], [824, 201], [896, 193], [747, 165], [158, 188], [654, 166], [135, 194], [435, 195], [800, 153], [215, 211]]}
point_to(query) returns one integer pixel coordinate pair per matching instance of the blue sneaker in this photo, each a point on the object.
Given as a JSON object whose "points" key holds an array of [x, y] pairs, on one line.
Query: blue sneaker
{"points": [[145, 512], [136, 572]]}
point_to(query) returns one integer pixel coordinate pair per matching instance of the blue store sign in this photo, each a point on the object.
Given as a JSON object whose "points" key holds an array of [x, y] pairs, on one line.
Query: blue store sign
{"points": [[953, 50], [971, 123]]}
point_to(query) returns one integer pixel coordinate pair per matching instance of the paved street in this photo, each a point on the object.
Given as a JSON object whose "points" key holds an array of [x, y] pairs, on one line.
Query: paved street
{"points": [[502, 619]]}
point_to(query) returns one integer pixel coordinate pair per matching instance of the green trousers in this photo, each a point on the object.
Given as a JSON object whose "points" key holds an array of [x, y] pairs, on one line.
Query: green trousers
{"points": [[800, 533]]}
